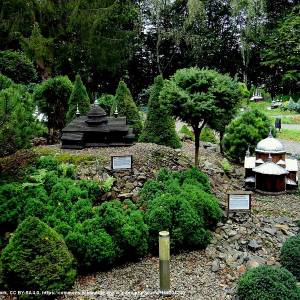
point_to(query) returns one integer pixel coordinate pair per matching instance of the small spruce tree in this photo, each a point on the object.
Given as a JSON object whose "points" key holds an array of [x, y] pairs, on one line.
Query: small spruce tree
{"points": [[127, 107], [159, 126], [78, 96]]}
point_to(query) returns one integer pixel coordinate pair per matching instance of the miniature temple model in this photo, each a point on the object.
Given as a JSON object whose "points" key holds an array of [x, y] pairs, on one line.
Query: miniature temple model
{"points": [[256, 96], [96, 130], [269, 171]]}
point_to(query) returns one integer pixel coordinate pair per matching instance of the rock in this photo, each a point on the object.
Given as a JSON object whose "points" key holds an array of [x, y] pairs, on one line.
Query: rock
{"points": [[253, 245], [125, 195], [252, 264], [215, 265], [232, 233], [271, 231], [283, 227], [241, 269]]}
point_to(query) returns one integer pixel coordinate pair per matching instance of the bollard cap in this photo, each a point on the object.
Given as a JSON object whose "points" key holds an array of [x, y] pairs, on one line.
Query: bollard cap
{"points": [[164, 233]]}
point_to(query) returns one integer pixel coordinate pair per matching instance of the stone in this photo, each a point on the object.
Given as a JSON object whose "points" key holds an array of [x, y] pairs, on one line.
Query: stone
{"points": [[283, 227], [252, 264], [253, 245], [232, 233], [215, 265], [271, 231], [125, 195], [241, 269]]}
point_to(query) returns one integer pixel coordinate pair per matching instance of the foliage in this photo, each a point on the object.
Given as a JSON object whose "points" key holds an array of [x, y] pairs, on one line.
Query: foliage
{"points": [[108, 183], [126, 107], [181, 203], [37, 258], [18, 66], [267, 283], [207, 135], [187, 133], [226, 166], [197, 96], [290, 255], [246, 130], [107, 102], [17, 126], [159, 127], [5, 82], [52, 98], [78, 97], [293, 106]]}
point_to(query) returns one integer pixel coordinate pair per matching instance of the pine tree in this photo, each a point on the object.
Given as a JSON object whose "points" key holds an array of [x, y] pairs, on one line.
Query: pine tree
{"points": [[79, 96], [159, 127], [127, 107]]}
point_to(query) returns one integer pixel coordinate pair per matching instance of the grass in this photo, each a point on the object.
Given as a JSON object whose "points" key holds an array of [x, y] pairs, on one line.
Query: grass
{"points": [[289, 134]]}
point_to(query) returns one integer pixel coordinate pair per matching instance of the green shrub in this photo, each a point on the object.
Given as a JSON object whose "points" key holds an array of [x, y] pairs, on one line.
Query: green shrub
{"points": [[226, 166], [268, 283], [18, 66], [79, 96], [127, 107], [187, 133], [108, 103], [47, 162], [37, 258], [5, 82], [290, 255], [91, 245], [207, 135], [246, 130], [159, 126], [67, 170], [91, 187], [108, 183]]}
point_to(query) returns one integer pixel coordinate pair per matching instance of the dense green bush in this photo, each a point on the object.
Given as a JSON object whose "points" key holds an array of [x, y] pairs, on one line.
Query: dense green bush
{"points": [[18, 66], [127, 107], [159, 127], [37, 258], [268, 283], [246, 130], [290, 255], [5, 82], [207, 135], [18, 125], [180, 202], [108, 103], [79, 96]]}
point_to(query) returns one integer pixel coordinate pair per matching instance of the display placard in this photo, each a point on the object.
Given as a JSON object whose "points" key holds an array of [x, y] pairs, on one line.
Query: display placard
{"points": [[239, 201], [121, 162]]}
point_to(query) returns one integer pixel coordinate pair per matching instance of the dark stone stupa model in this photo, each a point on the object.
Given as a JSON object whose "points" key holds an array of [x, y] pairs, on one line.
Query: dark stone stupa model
{"points": [[97, 130]]}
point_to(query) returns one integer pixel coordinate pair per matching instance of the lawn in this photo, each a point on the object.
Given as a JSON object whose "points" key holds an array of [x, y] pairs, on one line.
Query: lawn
{"points": [[289, 134]]}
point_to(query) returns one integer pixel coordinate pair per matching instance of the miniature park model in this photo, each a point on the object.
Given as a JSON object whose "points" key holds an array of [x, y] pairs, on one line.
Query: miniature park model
{"points": [[269, 171], [97, 130]]}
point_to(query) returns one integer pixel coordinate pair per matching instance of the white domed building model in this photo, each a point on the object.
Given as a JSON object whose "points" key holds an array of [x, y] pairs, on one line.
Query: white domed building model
{"points": [[269, 171]]}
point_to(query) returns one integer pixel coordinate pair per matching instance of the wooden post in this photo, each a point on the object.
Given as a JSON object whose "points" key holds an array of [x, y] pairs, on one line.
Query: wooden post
{"points": [[164, 261]]}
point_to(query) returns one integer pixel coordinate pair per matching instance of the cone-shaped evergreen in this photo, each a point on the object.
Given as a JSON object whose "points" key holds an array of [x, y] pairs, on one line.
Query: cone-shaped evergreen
{"points": [[37, 258], [159, 127], [79, 96], [127, 107]]}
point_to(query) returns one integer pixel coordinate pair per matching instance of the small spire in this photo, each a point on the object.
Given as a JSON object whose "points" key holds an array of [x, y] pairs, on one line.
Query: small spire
{"points": [[270, 158], [270, 132], [116, 113], [77, 111], [248, 152], [36, 111]]}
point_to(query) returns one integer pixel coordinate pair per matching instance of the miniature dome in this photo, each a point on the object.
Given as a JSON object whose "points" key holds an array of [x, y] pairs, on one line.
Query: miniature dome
{"points": [[270, 145]]}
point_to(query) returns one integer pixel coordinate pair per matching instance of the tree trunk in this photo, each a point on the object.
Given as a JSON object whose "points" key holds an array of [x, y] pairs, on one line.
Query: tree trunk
{"points": [[197, 144]]}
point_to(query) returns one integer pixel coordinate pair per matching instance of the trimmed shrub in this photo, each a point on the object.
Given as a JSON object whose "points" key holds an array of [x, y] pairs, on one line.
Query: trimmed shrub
{"points": [[79, 96], [5, 82], [37, 258], [108, 103], [159, 126], [268, 283], [127, 107], [290, 255], [207, 135], [246, 130], [18, 66], [47, 162]]}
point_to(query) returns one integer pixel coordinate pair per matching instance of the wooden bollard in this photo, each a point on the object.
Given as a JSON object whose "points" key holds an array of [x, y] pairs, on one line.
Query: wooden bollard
{"points": [[164, 261]]}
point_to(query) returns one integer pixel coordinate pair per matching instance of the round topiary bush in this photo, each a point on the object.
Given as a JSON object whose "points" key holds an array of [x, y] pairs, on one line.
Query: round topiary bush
{"points": [[37, 258], [268, 283], [290, 255]]}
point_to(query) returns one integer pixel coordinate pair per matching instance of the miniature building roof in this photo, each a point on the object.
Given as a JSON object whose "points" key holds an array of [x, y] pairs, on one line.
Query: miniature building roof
{"points": [[270, 145], [250, 179], [281, 162], [249, 162], [270, 168], [290, 182], [259, 161], [291, 164]]}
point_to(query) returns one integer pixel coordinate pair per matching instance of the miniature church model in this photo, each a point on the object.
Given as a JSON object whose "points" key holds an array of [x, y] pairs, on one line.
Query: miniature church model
{"points": [[256, 96], [97, 130], [269, 171]]}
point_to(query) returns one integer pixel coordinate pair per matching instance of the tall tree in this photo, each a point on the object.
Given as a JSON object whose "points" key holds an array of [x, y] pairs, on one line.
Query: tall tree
{"points": [[159, 126], [198, 95]]}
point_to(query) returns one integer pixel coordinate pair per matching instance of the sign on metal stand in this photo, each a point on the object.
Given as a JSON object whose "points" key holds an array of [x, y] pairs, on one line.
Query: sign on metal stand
{"points": [[239, 201], [121, 162]]}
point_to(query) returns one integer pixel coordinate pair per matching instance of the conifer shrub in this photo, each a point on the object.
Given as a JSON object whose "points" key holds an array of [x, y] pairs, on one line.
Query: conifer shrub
{"points": [[159, 127], [37, 258], [127, 107], [207, 135], [18, 66], [79, 96], [268, 283], [290, 255], [5, 82], [246, 130], [108, 103], [47, 162]]}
